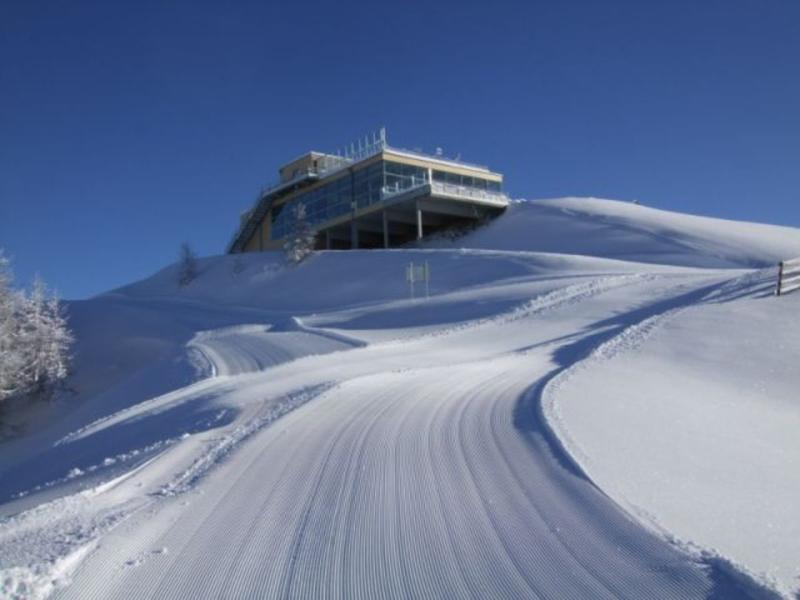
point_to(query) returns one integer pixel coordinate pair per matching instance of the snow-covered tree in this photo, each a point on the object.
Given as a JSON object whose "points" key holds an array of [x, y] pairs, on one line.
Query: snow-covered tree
{"points": [[10, 357], [44, 339], [302, 239], [187, 269], [34, 338]]}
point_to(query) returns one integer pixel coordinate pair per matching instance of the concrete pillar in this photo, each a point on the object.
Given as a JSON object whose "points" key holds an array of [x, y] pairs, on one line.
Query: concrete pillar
{"points": [[385, 230], [419, 221], [353, 235], [327, 239]]}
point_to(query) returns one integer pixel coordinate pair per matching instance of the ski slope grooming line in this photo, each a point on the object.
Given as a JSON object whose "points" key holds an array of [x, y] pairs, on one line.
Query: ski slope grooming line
{"points": [[418, 482]]}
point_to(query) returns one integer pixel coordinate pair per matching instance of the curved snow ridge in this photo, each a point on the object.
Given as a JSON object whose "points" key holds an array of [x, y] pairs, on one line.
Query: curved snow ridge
{"points": [[336, 336], [611, 344], [230, 351], [222, 447], [250, 348], [628, 339], [733, 577], [136, 455], [159, 404], [562, 297]]}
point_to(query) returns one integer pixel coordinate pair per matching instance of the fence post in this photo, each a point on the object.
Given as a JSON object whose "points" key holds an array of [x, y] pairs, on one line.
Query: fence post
{"points": [[780, 279]]}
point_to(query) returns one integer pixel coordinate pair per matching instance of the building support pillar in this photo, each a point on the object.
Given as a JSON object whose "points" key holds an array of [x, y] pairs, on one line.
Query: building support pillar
{"points": [[353, 235], [419, 220], [385, 230], [327, 239]]}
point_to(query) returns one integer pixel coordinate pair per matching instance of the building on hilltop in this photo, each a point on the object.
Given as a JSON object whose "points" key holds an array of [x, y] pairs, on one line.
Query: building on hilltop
{"points": [[370, 196]]}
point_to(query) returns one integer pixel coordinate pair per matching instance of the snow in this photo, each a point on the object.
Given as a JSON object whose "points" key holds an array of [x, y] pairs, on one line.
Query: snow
{"points": [[702, 439], [571, 414], [628, 231]]}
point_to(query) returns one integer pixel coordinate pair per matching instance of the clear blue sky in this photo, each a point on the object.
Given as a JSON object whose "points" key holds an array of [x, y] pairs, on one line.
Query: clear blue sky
{"points": [[127, 127]]}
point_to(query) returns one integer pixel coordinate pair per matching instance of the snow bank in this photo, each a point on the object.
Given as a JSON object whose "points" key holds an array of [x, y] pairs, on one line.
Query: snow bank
{"points": [[691, 420], [627, 231]]}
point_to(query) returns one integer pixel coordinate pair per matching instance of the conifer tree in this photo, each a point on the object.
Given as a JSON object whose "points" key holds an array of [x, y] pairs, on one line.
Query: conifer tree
{"points": [[35, 340], [302, 239], [187, 265]]}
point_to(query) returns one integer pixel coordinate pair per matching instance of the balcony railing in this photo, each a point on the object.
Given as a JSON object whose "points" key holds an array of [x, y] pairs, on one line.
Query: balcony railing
{"points": [[471, 192], [440, 187], [401, 187]]}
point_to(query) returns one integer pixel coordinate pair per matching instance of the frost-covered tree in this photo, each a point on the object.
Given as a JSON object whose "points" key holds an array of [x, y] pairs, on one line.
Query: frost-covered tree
{"points": [[302, 239], [34, 338], [187, 265], [10, 357], [44, 340]]}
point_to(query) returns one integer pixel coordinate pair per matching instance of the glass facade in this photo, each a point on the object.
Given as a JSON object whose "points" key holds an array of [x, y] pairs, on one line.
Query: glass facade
{"points": [[467, 181], [321, 204], [400, 177], [364, 187]]}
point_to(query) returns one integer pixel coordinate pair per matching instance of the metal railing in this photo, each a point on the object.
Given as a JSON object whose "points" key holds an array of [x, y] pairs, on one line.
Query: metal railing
{"points": [[788, 276], [412, 183], [471, 192], [441, 188]]}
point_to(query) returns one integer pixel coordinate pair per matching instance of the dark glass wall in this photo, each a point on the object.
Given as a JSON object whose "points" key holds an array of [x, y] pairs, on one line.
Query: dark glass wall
{"points": [[467, 181], [361, 188]]}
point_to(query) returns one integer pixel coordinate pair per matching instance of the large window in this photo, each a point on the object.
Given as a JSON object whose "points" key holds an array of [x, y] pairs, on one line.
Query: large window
{"points": [[466, 181], [364, 186], [399, 176], [321, 204], [368, 184]]}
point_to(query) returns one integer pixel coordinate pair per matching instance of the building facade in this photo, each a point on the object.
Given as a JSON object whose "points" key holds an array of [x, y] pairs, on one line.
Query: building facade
{"points": [[371, 196]]}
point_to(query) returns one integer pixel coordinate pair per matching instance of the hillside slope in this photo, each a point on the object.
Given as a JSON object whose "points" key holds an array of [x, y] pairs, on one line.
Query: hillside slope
{"points": [[627, 231], [311, 431]]}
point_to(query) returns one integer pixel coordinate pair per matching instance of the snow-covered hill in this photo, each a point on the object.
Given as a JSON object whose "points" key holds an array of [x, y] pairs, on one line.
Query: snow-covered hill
{"points": [[596, 401], [627, 231]]}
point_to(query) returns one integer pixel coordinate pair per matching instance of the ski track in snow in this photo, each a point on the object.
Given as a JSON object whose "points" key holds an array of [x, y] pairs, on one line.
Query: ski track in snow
{"points": [[417, 472]]}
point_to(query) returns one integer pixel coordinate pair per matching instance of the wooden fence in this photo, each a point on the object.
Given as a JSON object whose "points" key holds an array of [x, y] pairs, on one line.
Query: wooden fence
{"points": [[788, 277]]}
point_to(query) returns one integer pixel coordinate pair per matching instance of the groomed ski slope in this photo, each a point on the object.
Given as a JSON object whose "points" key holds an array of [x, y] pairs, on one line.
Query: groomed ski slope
{"points": [[311, 432]]}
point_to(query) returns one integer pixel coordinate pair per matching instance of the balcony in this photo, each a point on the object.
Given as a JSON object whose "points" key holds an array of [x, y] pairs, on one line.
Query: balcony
{"points": [[416, 186]]}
